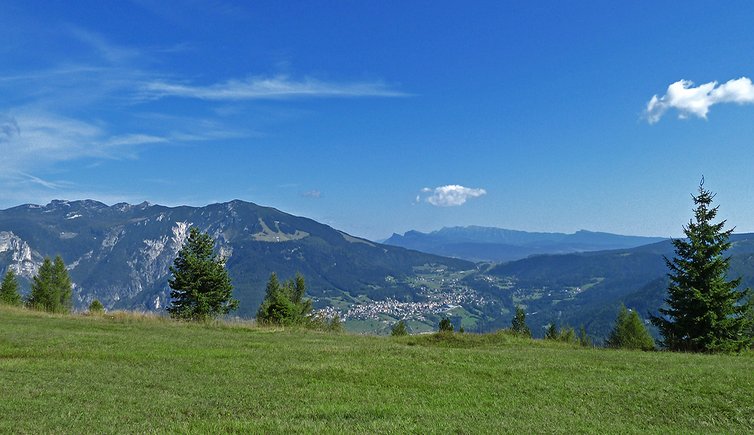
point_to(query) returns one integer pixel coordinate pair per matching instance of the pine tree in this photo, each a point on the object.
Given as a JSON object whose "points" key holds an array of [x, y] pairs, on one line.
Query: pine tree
{"points": [[297, 292], [568, 335], [9, 290], [41, 296], [201, 287], [63, 284], [584, 339], [703, 314], [51, 288], [284, 304], [96, 307], [518, 324], [445, 325], [629, 332]]}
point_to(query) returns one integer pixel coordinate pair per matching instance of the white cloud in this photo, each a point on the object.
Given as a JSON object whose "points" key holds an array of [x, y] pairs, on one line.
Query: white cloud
{"points": [[279, 87], [689, 100], [450, 195]]}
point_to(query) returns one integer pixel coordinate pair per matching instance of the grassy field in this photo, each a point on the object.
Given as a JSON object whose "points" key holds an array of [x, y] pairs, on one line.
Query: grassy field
{"points": [[129, 374]]}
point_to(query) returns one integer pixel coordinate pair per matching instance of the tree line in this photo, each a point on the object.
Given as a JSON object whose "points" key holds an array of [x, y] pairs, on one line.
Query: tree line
{"points": [[51, 288], [703, 312]]}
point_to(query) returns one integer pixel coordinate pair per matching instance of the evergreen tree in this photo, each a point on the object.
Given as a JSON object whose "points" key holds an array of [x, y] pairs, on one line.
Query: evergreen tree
{"points": [[51, 288], [96, 307], [703, 313], [298, 291], [584, 339], [629, 332], [750, 315], [284, 304], [201, 287], [518, 324], [399, 329], [445, 325], [9, 290], [568, 335], [552, 332], [63, 284], [335, 325]]}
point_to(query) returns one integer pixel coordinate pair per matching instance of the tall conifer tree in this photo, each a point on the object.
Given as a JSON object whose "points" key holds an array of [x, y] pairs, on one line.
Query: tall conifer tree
{"points": [[51, 289], [201, 287], [63, 285], [9, 289], [703, 313]]}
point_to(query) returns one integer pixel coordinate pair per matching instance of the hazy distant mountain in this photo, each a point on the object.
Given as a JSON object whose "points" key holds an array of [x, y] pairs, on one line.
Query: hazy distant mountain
{"points": [[120, 254], [476, 243], [587, 288]]}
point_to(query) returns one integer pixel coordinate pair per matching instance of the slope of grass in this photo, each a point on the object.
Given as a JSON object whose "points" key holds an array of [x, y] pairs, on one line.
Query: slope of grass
{"points": [[142, 374]]}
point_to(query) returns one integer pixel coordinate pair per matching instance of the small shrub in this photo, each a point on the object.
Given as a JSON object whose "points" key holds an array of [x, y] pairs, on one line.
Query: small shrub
{"points": [[399, 329], [96, 307], [567, 335], [445, 325], [317, 322], [584, 340], [335, 324], [564, 334], [552, 332]]}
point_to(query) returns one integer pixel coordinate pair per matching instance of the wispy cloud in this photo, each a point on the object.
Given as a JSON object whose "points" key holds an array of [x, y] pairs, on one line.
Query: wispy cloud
{"points": [[31, 179], [102, 46], [278, 87], [33, 138], [450, 195], [29, 139], [690, 100], [103, 100], [9, 129], [316, 194]]}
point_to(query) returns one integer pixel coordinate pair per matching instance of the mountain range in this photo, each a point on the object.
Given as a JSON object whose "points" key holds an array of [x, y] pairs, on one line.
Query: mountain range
{"points": [[475, 243], [121, 255], [587, 288]]}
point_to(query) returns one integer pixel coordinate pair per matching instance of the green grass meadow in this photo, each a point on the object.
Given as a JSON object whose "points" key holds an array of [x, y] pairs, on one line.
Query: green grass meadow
{"points": [[131, 373]]}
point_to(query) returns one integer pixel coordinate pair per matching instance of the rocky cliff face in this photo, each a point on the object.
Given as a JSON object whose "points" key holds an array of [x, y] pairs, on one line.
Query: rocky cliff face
{"points": [[18, 256]]}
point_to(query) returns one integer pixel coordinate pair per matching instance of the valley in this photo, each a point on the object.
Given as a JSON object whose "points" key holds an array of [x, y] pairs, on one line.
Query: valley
{"points": [[121, 255]]}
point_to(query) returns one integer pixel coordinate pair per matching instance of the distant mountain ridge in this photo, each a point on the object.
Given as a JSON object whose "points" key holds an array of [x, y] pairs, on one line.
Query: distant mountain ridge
{"points": [[586, 288], [476, 243], [121, 254]]}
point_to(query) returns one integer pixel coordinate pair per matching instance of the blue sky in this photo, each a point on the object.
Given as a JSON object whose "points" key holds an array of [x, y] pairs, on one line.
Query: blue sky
{"points": [[378, 117]]}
